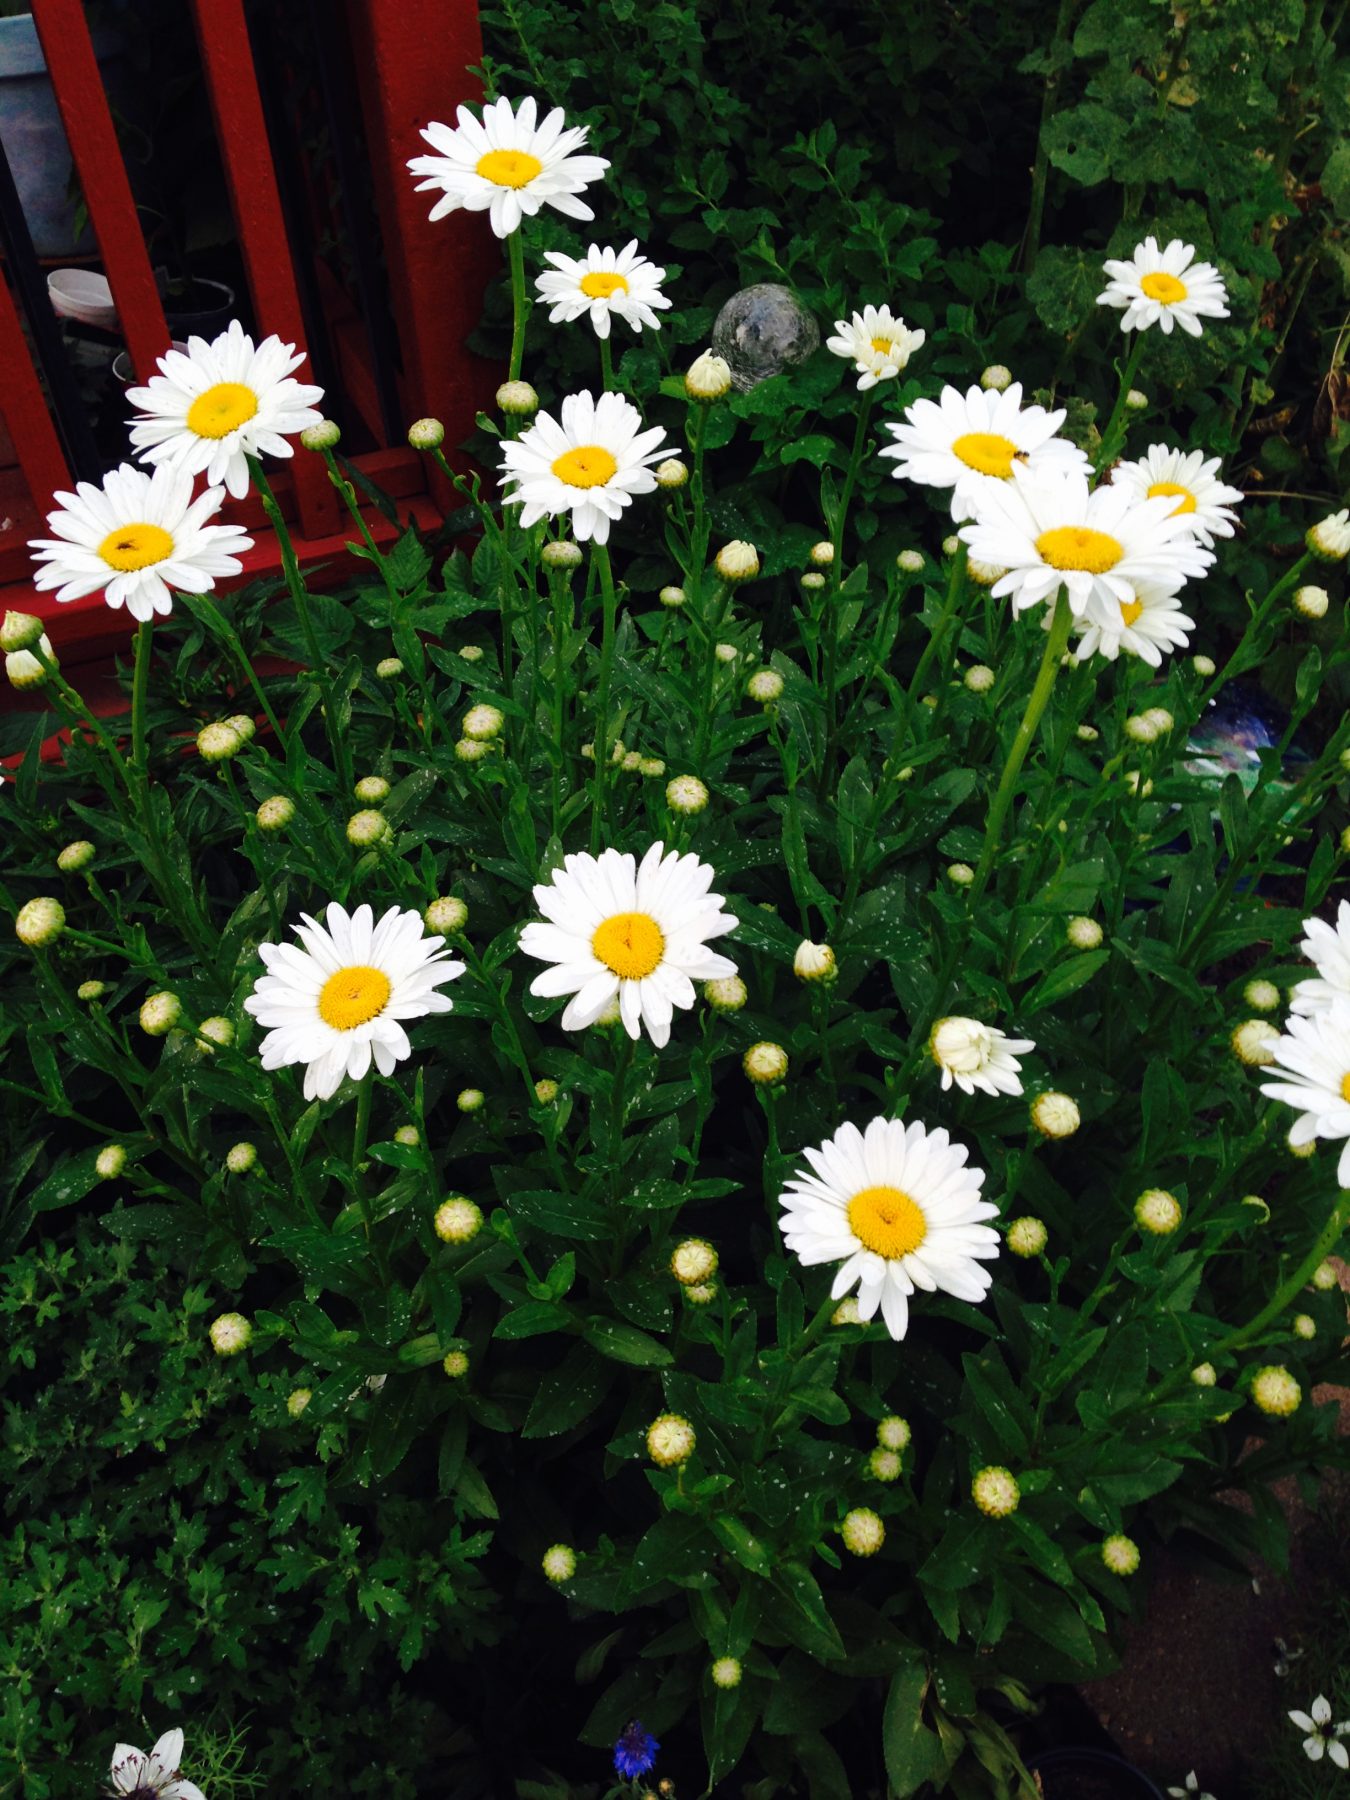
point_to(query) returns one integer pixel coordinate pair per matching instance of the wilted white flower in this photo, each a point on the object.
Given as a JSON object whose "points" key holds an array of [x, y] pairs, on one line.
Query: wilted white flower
{"points": [[1329, 539]]}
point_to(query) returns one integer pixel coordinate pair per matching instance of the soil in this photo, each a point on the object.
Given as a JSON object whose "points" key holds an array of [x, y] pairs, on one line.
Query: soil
{"points": [[1068, 1781]]}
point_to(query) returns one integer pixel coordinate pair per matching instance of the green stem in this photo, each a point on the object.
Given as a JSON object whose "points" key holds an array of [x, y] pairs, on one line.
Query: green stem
{"points": [[1114, 435], [140, 687], [520, 303], [600, 559], [836, 579], [561, 589], [348, 496], [606, 365], [1031, 241]]}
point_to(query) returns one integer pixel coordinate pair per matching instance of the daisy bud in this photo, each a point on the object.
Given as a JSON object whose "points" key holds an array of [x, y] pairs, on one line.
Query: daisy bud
{"points": [[559, 1562], [323, 436], [517, 399], [75, 857], [910, 561], [1120, 1554], [1083, 933], [367, 828], [893, 1432], [702, 1293], [904, 774], [218, 742], [409, 1136], [160, 1013], [560, 554], [765, 685], [241, 1158], [1253, 1042], [110, 1162], [1087, 734], [822, 554], [389, 668], [1329, 539], [686, 794], [40, 922], [472, 750], [725, 653], [726, 993], [456, 1364], [457, 1221], [243, 726], [218, 1033], [979, 678], [275, 814], [1055, 1115], [1204, 1374], [1141, 728], [1204, 666], [23, 668], [471, 653], [814, 962], [470, 1100], [1304, 1326], [884, 1465], [709, 377], [1324, 1278], [862, 1531], [1136, 400], [1133, 782], [651, 766], [1275, 1391], [672, 596], [692, 1262], [483, 722], [19, 631], [950, 545], [447, 914], [1311, 602], [995, 378], [847, 1313], [671, 473], [610, 1015], [726, 1672], [766, 1064], [632, 762], [371, 789], [670, 1440], [995, 1491], [1157, 1212], [91, 990], [812, 582], [1027, 1237], [737, 561], [1301, 1151], [426, 434], [1262, 995], [618, 751], [985, 574], [230, 1334], [297, 1400], [960, 874]]}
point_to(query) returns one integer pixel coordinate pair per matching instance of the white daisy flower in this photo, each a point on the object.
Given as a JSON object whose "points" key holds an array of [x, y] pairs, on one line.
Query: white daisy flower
{"points": [[590, 465], [152, 1777], [877, 342], [1049, 530], [898, 1209], [506, 165], [1147, 626], [1327, 947], [972, 1055], [1190, 1790], [1312, 1073], [972, 442], [603, 283], [1160, 287], [1323, 1738], [215, 404], [138, 537], [1192, 479], [342, 999], [635, 932]]}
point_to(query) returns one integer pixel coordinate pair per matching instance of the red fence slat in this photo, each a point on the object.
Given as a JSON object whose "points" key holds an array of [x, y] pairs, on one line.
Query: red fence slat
{"points": [[75, 75], [222, 31]]}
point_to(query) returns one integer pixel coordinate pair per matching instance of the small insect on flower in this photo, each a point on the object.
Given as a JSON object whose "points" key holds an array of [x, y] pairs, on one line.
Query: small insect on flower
{"points": [[995, 1491], [559, 1562], [1275, 1391], [863, 1531], [1322, 1737], [136, 1776], [635, 1752]]}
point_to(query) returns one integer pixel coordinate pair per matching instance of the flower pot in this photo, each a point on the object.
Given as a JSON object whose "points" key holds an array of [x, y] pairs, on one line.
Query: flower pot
{"points": [[203, 309], [1080, 1773]]}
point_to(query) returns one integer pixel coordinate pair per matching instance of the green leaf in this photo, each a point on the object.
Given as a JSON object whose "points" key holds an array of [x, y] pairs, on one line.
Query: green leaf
{"points": [[563, 1215], [804, 1615], [1063, 287], [408, 563], [568, 1394], [742, 1543], [69, 1181], [1064, 978], [626, 1344], [533, 1319], [1081, 141], [913, 1753]]}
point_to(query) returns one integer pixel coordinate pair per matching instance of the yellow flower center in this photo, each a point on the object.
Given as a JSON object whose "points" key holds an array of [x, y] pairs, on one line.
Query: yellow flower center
{"points": [[988, 453], [1345, 1087], [1163, 288], [588, 466], [883, 346], [886, 1221], [1184, 505], [509, 168], [601, 283], [631, 944], [222, 409], [135, 546], [1130, 610], [1079, 547], [353, 997]]}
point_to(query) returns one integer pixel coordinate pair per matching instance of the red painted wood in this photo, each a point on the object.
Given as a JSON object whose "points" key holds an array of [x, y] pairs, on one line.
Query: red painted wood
{"points": [[25, 407], [98, 157], [412, 58], [222, 31]]}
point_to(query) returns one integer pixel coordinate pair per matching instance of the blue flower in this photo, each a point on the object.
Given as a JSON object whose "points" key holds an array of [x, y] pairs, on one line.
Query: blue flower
{"points": [[636, 1750]]}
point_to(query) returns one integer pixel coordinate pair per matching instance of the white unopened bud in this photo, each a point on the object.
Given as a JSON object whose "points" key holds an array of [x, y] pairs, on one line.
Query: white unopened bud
{"points": [[1026, 1237], [1311, 602], [863, 1531], [813, 962], [367, 828], [766, 1064], [670, 1440], [323, 436], [89, 991], [517, 399], [472, 750], [216, 1033], [1254, 1042], [562, 553], [1324, 1278], [910, 561], [1083, 933], [726, 1672], [737, 561], [110, 1162], [672, 596], [950, 545], [1120, 1554], [19, 631], [218, 742], [1329, 539], [725, 993], [885, 1465], [455, 1363], [1261, 995], [470, 1100], [709, 377], [995, 1491], [765, 685], [23, 668], [275, 814], [651, 766], [371, 789], [297, 1400], [1304, 1326], [813, 582], [40, 922], [1136, 400], [693, 1261], [545, 1090], [979, 678], [725, 653], [230, 1334], [389, 668], [822, 554], [160, 1013], [686, 794], [996, 378], [671, 473], [446, 915], [241, 1158], [457, 1220], [1275, 1391], [960, 874], [426, 434], [1157, 1212], [559, 1562], [1204, 1374], [1141, 728], [483, 723], [1055, 1115]]}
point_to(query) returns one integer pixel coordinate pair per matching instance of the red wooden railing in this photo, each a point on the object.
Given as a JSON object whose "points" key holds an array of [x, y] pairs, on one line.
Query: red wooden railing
{"points": [[411, 58]]}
